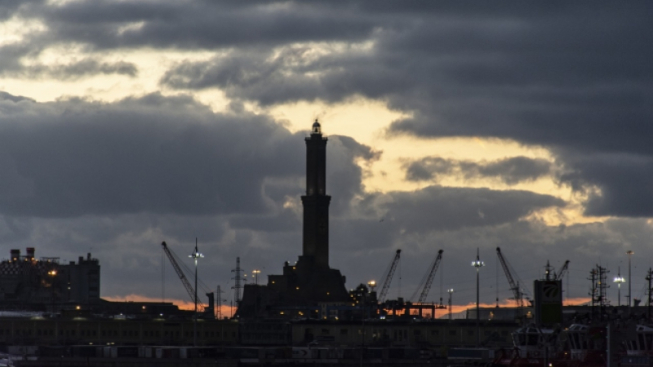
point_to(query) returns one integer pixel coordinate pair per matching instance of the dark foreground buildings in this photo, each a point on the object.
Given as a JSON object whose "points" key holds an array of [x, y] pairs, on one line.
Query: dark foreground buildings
{"points": [[309, 288], [29, 283]]}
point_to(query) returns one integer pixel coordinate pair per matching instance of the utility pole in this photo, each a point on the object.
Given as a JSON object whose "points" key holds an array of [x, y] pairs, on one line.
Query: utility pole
{"points": [[630, 281], [649, 276]]}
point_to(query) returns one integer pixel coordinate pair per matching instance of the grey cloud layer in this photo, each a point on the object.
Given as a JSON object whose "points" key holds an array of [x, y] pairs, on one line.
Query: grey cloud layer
{"points": [[155, 154], [510, 170], [167, 155]]}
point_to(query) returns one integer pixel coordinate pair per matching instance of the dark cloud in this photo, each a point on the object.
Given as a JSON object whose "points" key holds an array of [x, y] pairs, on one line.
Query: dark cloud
{"points": [[11, 65], [199, 24], [441, 208], [152, 154], [86, 67], [510, 170], [384, 221], [79, 69], [616, 184], [4, 96], [11, 8]]}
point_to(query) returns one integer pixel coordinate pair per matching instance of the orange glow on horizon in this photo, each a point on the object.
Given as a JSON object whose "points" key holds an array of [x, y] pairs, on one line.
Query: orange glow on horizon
{"points": [[578, 301], [455, 309], [226, 310]]}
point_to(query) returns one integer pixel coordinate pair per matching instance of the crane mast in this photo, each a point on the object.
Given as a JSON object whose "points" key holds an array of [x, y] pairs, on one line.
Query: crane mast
{"points": [[514, 287], [562, 271], [180, 273], [388, 277], [429, 278]]}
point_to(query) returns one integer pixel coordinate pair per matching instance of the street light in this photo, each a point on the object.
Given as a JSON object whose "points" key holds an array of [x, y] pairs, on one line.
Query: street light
{"points": [[619, 279], [195, 256], [256, 273], [629, 253], [450, 291], [478, 264], [52, 273]]}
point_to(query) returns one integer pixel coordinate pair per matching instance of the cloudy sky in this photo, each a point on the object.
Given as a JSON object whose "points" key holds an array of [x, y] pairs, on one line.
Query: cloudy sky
{"points": [[451, 125]]}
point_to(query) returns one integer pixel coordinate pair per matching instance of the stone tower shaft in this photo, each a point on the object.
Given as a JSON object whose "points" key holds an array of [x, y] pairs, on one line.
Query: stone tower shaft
{"points": [[316, 202]]}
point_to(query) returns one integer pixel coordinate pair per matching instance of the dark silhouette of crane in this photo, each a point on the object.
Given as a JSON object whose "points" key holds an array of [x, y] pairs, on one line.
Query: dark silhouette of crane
{"points": [[428, 279], [180, 273], [563, 270], [518, 295], [388, 276]]}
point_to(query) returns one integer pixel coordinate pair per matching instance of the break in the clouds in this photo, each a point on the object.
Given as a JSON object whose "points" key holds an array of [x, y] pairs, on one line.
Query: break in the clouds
{"points": [[510, 170]]}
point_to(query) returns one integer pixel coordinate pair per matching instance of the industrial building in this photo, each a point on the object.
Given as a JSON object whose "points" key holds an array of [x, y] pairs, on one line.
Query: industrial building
{"points": [[27, 282], [48, 286]]}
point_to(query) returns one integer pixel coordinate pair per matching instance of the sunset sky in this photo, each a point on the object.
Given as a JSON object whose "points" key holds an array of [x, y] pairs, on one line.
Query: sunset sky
{"points": [[452, 125]]}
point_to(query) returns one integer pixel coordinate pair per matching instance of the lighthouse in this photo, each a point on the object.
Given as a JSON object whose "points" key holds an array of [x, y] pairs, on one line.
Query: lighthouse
{"points": [[316, 201]]}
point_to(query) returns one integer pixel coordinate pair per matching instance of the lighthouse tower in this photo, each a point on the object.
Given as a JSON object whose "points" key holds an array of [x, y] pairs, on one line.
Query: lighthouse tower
{"points": [[309, 287], [316, 201]]}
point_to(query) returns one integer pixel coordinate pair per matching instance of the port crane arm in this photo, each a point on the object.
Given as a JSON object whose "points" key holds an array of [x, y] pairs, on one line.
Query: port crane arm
{"points": [[429, 278], [562, 272], [514, 287], [388, 277], [180, 273]]}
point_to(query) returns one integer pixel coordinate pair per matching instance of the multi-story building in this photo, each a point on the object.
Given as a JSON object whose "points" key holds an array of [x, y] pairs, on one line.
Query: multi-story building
{"points": [[30, 283]]}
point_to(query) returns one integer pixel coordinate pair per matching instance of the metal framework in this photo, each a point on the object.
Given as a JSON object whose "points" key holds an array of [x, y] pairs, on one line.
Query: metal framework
{"points": [[180, 273], [237, 278], [514, 286], [388, 277], [563, 270], [429, 279]]}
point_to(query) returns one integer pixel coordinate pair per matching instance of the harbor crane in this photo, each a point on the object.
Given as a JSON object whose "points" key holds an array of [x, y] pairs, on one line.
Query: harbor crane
{"points": [[561, 273], [388, 276], [518, 295], [555, 276], [428, 279], [189, 288]]}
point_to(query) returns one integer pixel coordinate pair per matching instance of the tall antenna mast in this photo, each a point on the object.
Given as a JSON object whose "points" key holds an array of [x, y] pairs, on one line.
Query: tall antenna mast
{"points": [[237, 285], [163, 278]]}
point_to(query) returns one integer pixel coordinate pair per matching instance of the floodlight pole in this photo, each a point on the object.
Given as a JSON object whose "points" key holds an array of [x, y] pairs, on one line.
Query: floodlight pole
{"points": [[450, 291], [619, 279], [478, 264], [195, 255]]}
